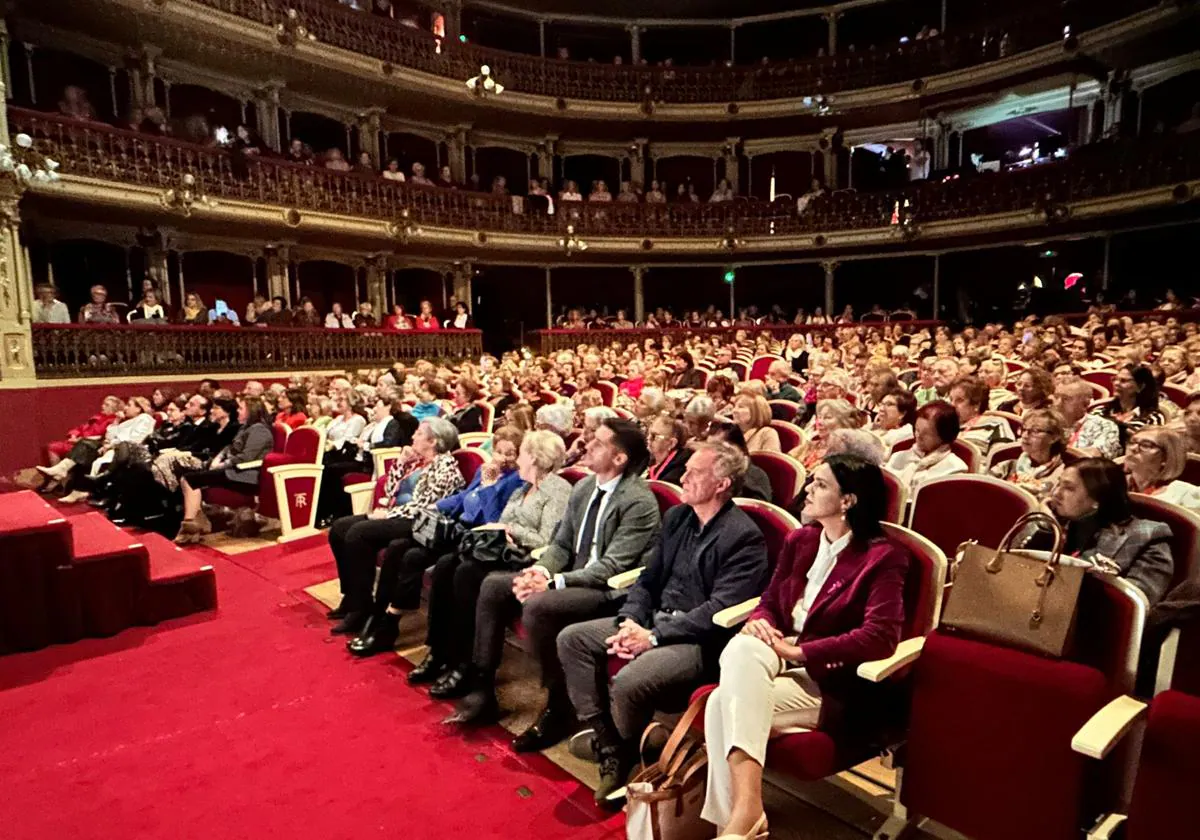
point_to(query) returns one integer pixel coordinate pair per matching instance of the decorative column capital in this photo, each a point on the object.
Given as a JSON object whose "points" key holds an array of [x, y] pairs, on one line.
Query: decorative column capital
{"points": [[830, 266]]}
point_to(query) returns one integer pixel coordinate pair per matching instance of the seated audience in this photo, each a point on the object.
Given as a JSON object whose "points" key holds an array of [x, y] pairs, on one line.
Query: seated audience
{"points": [[147, 309], [364, 318], [466, 415], [756, 484], [684, 375], [1154, 460], [836, 600], [193, 312], [337, 319], [592, 419], [91, 429], [291, 403], [1035, 388], [252, 443], [931, 455], [1135, 400], [99, 310], [968, 395], [830, 415], [1040, 464], [667, 439], [779, 386], [426, 474], [895, 418], [711, 555], [388, 426], [425, 319], [753, 417], [47, 308], [1090, 434], [611, 525], [857, 442], [398, 588]]}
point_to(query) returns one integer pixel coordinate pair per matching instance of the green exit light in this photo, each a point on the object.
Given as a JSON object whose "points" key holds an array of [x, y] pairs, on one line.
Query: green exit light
{"points": [[729, 275], [462, 39]]}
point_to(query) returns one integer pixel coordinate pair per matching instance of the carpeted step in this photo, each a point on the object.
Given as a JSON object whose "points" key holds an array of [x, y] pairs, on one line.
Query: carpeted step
{"points": [[181, 581], [25, 511], [106, 575], [94, 537], [35, 541]]}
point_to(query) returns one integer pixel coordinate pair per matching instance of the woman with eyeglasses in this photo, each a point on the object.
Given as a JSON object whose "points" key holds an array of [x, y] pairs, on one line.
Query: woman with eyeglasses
{"points": [[1135, 400], [1154, 460], [1038, 467], [668, 450], [895, 415]]}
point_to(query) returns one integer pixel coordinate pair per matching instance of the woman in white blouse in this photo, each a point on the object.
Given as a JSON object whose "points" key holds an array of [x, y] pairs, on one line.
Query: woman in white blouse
{"points": [[147, 309], [930, 457], [894, 419], [346, 425]]}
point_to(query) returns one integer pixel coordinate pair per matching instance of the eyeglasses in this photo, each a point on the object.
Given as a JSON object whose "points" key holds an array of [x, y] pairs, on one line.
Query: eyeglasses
{"points": [[1026, 432], [1144, 445]]}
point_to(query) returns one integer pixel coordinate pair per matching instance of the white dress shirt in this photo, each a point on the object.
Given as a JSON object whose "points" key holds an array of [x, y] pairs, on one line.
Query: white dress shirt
{"points": [[818, 573], [608, 487]]}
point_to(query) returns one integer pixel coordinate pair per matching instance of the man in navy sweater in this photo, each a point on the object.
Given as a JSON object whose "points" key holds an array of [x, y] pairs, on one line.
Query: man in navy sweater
{"points": [[711, 556]]}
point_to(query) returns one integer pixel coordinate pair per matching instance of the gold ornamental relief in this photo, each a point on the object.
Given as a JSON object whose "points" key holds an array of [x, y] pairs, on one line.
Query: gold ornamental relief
{"points": [[14, 351]]}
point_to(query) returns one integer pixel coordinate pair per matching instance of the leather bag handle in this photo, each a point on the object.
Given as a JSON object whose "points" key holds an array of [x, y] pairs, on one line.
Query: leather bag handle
{"points": [[1037, 516], [681, 730]]}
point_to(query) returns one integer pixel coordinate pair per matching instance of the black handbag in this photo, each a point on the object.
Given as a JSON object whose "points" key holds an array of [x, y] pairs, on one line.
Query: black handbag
{"points": [[490, 547], [433, 530]]}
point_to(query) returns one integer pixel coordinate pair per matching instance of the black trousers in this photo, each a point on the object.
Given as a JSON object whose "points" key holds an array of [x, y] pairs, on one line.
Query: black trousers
{"points": [[544, 616], [402, 574], [335, 502], [355, 541], [453, 599]]}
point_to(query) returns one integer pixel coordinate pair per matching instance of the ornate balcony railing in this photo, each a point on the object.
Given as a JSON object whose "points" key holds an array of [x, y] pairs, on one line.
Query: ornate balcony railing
{"points": [[99, 151], [86, 350], [401, 46]]}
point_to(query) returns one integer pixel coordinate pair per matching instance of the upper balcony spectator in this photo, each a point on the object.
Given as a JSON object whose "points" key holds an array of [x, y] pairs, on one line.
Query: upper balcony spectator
{"points": [[193, 312], [299, 152], [364, 318], [74, 103], [48, 309], [418, 175], [335, 161], [392, 172], [99, 311], [337, 319], [148, 309], [426, 320]]}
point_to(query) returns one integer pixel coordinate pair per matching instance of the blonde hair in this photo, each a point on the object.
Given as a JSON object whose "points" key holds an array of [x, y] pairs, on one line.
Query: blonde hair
{"points": [[547, 449], [1174, 450], [760, 410]]}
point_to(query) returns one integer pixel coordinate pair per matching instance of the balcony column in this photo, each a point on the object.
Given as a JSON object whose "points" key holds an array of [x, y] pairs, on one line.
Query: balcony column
{"points": [[731, 162], [546, 159], [142, 72], [460, 282], [158, 269], [733, 43], [637, 162], [542, 38], [376, 266], [639, 297], [29, 48], [452, 14], [277, 257], [368, 136], [16, 288], [830, 267], [549, 302], [831, 18], [5, 75], [266, 114], [456, 147], [937, 286], [635, 43], [830, 161]]}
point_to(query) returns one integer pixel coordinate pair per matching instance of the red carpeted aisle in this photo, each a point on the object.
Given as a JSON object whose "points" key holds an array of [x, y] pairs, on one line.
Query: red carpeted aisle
{"points": [[252, 722]]}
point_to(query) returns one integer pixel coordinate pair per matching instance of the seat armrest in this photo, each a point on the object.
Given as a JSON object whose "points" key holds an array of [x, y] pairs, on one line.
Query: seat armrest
{"points": [[1101, 733], [906, 654], [1108, 827], [248, 465], [361, 495], [624, 580], [735, 615]]}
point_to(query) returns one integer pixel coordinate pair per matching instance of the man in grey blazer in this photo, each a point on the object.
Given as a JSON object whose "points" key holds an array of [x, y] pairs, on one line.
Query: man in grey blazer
{"points": [[611, 525]]}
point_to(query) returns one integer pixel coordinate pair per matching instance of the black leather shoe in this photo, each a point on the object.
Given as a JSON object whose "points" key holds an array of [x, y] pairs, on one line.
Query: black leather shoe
{"points": [[337, 612], [479, 708], [551, 727], [379, 636], [452, 684], [430, 669], [352, 623]]}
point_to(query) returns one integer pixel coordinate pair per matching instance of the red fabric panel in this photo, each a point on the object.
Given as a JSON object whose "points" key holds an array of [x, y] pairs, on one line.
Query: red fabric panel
{"points": [[989, 747], [774, 529], [299, 492], [667, 497], [1103, 629], [782, 474], [895, 510], [950, 512], [1163, 797], [302, 445], [30, 597], [469, 462]]}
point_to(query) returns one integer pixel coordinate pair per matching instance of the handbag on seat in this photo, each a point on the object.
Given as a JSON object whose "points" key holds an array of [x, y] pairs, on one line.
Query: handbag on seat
{"points": [[433, 530], [1013, 599], [665, 798]]}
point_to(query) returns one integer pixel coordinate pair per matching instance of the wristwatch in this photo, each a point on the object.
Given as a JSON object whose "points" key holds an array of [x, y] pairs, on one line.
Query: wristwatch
{"points": [[653, 639]]}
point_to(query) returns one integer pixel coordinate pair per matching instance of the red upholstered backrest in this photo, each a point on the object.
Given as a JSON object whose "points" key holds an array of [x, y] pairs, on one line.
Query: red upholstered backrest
{"points": [[774, 522], [1108, 630], [785, 475], [304, 445], [267, 503], [958, 508], [1186, 673], [897, 497], [1163, 806], [900, 446], [279, 432], [1175, 394], [667, 494], [1004, 452], [469, 462], [487, 417], [790, 435], [784, 409], [1185, 533], [989, 743], [741, 369], [1104, 378], [608, 391], [378, 496], [759, 366], [925, 583], [574, 474], [969, 454]]}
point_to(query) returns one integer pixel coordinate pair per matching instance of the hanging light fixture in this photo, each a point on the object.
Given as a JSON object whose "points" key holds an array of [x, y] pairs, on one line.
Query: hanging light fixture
{"points": [[26, 163], [485, 83], [571, 243], [186, 197]]}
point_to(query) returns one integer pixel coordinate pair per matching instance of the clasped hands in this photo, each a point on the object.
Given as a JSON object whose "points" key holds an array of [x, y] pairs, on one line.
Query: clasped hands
{"points": [[772, 637], [630, 640], [528, 583]]}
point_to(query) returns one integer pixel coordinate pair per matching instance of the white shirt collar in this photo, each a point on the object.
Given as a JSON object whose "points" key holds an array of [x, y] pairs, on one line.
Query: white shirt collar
{"points": [[835, 547], [609, 485]]}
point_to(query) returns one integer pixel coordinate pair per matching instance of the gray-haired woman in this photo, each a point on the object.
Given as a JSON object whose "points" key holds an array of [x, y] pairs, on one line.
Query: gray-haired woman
{"points": [[425, 474]]}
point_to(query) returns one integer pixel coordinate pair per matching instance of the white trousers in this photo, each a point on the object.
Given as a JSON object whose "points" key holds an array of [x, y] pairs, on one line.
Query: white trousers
{"points": [[758, 698], [102, 462]]}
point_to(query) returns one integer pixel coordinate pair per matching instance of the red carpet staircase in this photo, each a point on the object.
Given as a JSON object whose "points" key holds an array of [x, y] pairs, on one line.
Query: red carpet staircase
{"points": [[62, 579]]}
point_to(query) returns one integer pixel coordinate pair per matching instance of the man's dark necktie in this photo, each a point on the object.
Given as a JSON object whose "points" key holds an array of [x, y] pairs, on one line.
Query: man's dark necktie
{"points": [[589, 531]]}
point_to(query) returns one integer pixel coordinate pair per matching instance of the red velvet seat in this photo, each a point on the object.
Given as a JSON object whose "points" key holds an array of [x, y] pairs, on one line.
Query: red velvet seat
{"points": [[469, 461], [785, 473], [280, 432], [785, 410], [958, 508], [1103, 378], [897, 498], [1162, 805], [790, 435], [968, 452], [759, 366], [1175, 394], [487, 413], [774, 522], [989, 743], [574, 474], [1002, 452], [667, 495], [608, 391]]}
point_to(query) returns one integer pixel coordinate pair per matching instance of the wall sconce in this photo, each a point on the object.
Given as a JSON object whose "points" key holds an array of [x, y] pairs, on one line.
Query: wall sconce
{"points": [[184, 198], [485, 83], [26, 163], [403, 228], [571, 243], [730, 242], [290, 31]]}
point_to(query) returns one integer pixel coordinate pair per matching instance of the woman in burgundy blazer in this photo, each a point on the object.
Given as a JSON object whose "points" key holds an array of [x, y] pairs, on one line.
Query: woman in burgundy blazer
{"points": [[836, 600]]}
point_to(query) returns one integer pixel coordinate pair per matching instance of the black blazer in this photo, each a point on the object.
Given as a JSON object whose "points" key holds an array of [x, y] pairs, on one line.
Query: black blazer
{"points": [[673, 471], [469, 418]]}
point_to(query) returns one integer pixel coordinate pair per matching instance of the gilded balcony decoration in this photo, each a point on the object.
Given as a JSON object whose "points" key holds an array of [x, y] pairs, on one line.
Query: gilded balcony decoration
{"points": [[184, 198], [89, 350], [291, 30], [395, 46], [571, 243], [403, 228], [26, 163], [93, 150], [484, 85]]}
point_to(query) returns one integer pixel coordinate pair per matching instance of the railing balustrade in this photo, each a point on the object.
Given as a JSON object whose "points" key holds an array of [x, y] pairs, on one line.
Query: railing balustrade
{"points": [[94, 350], [96, 150]]}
